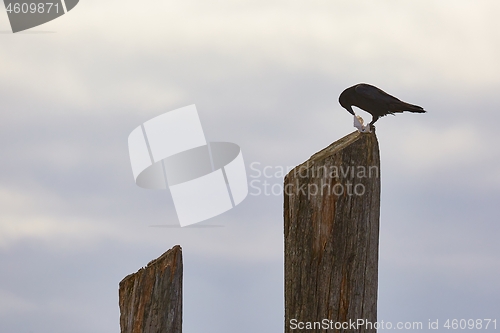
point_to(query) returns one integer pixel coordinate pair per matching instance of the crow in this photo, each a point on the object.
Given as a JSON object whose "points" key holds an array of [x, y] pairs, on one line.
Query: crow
{"points": [[374, 101]]}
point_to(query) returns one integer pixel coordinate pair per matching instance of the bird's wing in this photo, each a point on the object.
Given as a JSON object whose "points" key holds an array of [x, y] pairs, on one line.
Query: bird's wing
{"points": [[375, 94]]}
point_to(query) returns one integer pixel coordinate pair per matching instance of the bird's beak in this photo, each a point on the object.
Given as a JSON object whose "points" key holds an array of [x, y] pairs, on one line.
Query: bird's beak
{"points": [[349, 108]]}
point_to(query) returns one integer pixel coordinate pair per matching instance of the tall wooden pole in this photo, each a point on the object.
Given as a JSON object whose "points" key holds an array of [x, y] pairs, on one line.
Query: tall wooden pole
{"points": [[151, 299], [331, 227]]}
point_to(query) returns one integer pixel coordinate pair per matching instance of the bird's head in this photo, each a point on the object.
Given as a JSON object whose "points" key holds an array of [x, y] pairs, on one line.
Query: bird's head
{"points": [[345, 103]]}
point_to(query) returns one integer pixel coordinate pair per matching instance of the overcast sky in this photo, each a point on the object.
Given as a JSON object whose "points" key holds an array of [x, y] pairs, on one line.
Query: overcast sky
{"points": [[265, 75]]}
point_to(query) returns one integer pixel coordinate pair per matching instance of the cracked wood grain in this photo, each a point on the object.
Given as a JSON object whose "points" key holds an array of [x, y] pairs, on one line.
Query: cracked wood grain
{"points": [[331, 236]]}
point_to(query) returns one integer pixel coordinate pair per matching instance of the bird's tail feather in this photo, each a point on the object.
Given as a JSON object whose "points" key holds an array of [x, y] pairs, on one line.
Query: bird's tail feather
{"points": [[414, 108]]}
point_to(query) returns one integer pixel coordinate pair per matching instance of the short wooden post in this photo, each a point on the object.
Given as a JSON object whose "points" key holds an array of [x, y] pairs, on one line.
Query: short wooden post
{"points": [[331, 227], [151, 299]]}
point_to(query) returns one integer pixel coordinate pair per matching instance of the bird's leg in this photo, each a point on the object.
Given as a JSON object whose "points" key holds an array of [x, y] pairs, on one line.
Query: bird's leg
{"points": [[374, 119]]}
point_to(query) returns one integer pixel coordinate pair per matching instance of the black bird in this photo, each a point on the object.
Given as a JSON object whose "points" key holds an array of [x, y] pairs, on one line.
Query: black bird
{"points": [[374, 101]]}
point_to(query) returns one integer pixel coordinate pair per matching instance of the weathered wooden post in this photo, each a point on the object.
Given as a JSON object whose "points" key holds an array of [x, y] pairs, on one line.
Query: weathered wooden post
{"points": [[151, 299], [331, 227]]}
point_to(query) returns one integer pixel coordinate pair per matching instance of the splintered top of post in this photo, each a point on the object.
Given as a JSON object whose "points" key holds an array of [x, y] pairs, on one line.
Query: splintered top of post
{"points": [[335, 148], [169, 256]]}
